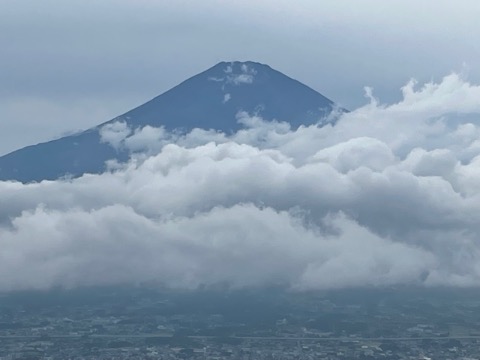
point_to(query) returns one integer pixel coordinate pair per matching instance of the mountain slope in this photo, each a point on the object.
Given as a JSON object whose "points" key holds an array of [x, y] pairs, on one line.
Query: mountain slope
{"points": [[209, 100]]}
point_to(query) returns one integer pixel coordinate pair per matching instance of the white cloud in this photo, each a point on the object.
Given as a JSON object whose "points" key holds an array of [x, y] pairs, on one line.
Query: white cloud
{"points": [[388, 195], [115, 133], [357, 152], [116, 244]]}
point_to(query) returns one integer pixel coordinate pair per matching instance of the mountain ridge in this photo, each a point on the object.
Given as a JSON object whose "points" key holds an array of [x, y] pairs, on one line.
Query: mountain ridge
{"points": [[208, 100]]}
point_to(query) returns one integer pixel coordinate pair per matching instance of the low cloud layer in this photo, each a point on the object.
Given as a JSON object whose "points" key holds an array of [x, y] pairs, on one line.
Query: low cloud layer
{"points": [[389, 195]]}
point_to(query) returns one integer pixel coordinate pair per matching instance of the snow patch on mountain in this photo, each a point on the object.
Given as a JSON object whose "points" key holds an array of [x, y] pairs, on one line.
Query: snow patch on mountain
{"points": [[245, 74]]}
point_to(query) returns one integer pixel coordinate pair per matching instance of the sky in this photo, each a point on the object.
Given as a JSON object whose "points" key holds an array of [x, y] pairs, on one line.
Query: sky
{"points": [[388, 194], [67, 66]]}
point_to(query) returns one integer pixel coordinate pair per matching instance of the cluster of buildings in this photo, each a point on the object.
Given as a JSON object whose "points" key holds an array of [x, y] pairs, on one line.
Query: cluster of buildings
{"points": [[123, 349], [296, 327]]}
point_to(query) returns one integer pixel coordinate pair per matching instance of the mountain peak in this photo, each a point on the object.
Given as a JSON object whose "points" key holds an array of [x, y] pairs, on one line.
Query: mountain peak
{"points": [[239, 66], [209, 100], [213, 98]]}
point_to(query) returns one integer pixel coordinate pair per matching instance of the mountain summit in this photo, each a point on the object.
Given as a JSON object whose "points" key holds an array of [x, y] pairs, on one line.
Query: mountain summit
{"points": [[212, 99], [209, 100]]}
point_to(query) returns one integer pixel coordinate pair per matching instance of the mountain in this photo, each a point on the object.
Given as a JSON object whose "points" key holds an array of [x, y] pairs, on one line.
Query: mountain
{"points": [[209, 100]]}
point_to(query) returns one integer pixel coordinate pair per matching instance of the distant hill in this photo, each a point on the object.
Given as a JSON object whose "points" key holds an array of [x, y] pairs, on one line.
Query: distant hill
{"points": [[209, 100]]}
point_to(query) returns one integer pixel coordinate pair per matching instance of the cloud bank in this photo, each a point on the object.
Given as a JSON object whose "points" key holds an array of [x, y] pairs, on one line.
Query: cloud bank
{"points": [[388, 195]]}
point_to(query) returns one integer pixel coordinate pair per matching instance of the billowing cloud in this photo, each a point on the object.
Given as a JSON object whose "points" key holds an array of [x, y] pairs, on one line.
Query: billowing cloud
{"points": [[387, 195], [114, 133]]}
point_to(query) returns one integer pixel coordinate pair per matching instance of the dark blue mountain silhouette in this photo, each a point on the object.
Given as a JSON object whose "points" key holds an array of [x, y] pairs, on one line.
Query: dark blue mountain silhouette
{"points": [[209, 100]]}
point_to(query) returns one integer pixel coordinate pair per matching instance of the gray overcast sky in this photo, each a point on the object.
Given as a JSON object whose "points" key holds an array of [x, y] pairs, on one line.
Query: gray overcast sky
{"points": [[68, 65]]}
